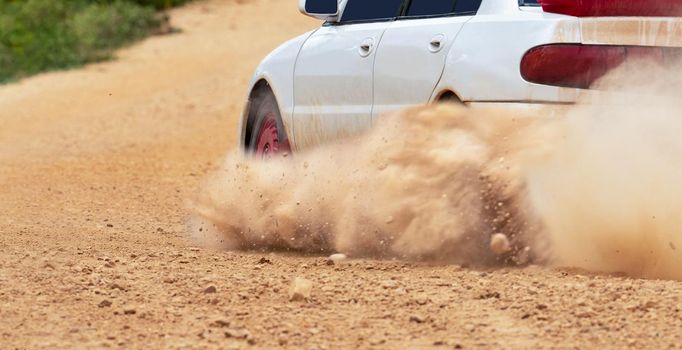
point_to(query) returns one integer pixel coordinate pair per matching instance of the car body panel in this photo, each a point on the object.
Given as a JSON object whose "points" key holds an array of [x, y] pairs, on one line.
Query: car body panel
{"points": [[497, 7], [408, 64], [483, 64], [334, 82], [632, 31]]}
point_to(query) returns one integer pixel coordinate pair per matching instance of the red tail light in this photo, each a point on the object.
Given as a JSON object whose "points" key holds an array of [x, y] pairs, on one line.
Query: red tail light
{"points": [[597, 8], [579, 66]]}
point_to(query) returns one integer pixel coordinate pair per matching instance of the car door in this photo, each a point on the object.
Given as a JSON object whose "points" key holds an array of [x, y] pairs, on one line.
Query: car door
{"points": [[333, 78], [411, 57]]}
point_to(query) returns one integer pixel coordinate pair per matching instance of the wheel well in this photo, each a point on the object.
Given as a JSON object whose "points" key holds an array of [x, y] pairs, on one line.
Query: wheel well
{"points": [[448, 96], [261, 87]]}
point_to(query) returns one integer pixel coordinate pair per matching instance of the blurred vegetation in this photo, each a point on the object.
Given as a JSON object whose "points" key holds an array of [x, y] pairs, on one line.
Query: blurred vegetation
{"points": [[159, 4], [41, 35]]}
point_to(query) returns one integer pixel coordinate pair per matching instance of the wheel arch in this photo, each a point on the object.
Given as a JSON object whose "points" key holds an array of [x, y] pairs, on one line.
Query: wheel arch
{"points": [[275, 72], [447, 95], [262, 85]]}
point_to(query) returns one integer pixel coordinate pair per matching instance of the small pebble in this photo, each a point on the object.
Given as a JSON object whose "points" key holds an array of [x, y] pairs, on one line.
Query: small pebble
{"points": [[336, 258]]}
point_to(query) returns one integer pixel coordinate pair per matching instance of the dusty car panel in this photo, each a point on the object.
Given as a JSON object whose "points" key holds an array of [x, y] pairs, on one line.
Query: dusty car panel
{"points": [[332, 82], [642, 31]]}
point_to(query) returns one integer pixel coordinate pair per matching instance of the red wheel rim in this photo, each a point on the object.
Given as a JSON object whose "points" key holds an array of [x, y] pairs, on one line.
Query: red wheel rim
{"points": [[268, 142]]}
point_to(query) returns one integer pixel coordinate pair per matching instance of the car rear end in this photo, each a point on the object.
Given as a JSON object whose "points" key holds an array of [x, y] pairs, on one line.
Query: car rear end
{"points": [[611, 32], [534, 52]]}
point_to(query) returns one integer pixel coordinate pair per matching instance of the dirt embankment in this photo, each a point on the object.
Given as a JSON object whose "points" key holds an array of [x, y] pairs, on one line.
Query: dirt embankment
{"points": [[95, 169]]}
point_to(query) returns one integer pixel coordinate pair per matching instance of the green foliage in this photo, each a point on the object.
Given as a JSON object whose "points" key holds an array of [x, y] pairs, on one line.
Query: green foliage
{"points": [[41, 35], [160, 4], [101, 28]]}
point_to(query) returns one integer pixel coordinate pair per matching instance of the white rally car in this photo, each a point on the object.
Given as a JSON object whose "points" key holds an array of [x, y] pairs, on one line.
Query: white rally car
{"points": [[374, 56]]}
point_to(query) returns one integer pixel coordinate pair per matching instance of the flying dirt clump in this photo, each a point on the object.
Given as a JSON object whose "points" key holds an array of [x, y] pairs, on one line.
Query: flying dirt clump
{"points": [[595, 185], [429, 183], [499, 244]]}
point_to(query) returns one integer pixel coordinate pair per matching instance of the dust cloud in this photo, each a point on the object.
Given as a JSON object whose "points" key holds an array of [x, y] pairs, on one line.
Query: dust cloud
{"points": [[595, 186], [610, 194]]}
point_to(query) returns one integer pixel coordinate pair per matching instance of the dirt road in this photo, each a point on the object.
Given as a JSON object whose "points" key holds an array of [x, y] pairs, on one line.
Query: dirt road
{"points": [[96, 166]]}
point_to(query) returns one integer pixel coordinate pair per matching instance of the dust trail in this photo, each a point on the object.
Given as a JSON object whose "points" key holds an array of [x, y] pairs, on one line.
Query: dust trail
{"points": [[597, 187], [610, 195], [427, 183]]}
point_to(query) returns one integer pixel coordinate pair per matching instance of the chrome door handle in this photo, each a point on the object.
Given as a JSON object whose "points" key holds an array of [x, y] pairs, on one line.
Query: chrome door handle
{"points": [[436, 43], [366, 47]]}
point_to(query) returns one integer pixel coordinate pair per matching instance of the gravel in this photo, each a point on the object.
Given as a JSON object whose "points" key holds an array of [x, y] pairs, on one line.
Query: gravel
{"points": [[72, 156]]}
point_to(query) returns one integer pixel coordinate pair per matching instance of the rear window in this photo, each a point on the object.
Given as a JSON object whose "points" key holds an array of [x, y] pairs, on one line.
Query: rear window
{"points": [[421, 8], [467, 6], [430, 7], [371, 10]]}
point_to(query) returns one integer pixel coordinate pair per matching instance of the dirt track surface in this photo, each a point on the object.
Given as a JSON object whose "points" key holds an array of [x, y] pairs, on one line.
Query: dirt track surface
{"points": [[95, 169]]}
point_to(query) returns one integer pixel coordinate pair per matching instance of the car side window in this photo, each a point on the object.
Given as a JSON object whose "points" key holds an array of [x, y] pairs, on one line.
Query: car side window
{"points": [[430, 7], [467, 7], [421, 8], [371, 10]]}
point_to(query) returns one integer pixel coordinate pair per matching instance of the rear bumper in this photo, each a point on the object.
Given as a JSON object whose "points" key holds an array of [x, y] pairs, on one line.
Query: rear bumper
{"points": [[583, 97]]}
